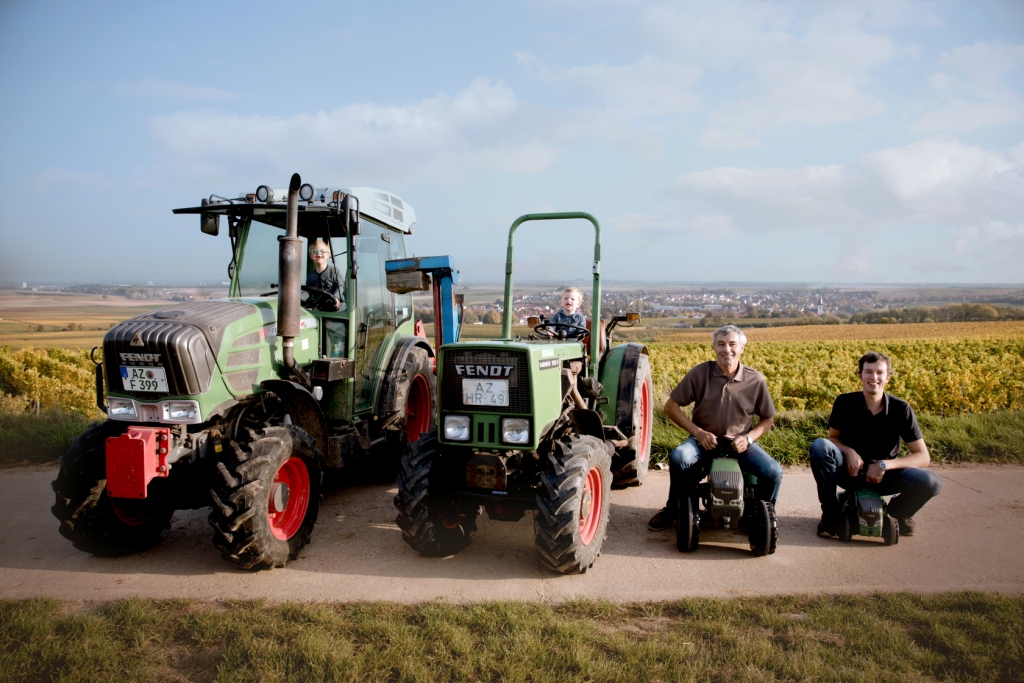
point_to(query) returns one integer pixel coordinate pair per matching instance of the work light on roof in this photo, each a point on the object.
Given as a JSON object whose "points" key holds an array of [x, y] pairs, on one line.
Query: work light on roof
{"points": [[264, 194], [306, 192]]}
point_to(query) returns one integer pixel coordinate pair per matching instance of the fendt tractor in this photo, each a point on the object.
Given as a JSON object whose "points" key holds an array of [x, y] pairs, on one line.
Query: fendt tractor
{"points": [[544, 423], [241, 403]]}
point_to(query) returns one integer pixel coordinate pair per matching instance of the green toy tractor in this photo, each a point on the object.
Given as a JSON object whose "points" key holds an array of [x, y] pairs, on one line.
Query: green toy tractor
{"points": [[864, 513], [241, 403], [546, 423], [728, 500]]}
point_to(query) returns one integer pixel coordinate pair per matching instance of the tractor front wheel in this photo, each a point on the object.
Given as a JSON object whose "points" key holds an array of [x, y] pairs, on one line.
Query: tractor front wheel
{"points": [[890, 530], [432, 523], [573, 504], [763, 529], [89, 518], [631, 462], [688, 526], [266, 498]]}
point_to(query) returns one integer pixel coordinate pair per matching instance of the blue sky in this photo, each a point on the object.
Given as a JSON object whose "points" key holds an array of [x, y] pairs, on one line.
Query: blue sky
{"points": [[742, 141]]}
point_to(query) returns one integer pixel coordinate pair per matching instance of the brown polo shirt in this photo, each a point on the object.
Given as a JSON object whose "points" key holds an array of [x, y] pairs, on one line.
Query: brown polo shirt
{"points": [[724, 407]]}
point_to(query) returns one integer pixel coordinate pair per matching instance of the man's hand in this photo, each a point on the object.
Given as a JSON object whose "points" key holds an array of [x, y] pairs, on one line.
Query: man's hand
{"points": [[741, 443], [706, 439], [875, 473], [853, 463]]}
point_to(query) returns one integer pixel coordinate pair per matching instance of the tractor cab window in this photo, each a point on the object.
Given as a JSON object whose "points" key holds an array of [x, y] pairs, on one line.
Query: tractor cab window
{"points": [[258, 264], [403, 302]]}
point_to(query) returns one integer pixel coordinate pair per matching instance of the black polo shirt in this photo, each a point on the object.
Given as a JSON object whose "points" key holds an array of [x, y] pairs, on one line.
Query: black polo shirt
{"points": [[874, 437]]}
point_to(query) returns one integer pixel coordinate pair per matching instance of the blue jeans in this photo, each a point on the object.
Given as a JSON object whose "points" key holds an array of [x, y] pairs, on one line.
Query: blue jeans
{"points": [[689, 463], [913, 487]]}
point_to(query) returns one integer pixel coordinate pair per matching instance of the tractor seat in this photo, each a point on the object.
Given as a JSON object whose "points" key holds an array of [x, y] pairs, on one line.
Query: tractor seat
{"points": [[602, 340]]}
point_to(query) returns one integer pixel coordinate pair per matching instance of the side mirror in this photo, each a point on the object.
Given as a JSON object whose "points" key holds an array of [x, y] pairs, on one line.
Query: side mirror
{"points": [[632, 317], [350, 214], [533, 321], [209, 223]]}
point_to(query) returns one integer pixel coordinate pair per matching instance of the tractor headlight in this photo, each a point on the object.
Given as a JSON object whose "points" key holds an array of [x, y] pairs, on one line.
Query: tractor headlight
{"points": [[456, 427], [181, 412], [121, 409], [717, 501], [515, 430]]}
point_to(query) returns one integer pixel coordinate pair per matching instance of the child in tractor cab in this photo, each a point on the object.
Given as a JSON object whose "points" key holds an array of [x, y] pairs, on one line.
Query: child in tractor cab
{"points": [[324, 276], [569, 313]]}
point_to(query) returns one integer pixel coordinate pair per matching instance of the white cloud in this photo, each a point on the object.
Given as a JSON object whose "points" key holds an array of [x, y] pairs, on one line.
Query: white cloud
{"points": [[173, 90], [440, 139]]}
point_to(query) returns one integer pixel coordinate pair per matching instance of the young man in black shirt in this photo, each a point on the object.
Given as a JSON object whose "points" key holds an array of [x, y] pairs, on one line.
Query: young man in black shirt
{"points": [[865, 429]]}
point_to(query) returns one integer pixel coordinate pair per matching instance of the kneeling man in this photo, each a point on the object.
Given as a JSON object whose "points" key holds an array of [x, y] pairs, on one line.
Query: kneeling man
{"points": [[726, 395], [865, 428]]}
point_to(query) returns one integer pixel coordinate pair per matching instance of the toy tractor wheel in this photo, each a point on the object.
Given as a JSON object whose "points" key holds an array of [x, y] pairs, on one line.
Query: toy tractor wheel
{"points": [[573, 504], [266, 498], [632, 461], [688, 527], [433, 524], [89, 518], [763, 530], [846, 522], [891, 530], [413, 387]]}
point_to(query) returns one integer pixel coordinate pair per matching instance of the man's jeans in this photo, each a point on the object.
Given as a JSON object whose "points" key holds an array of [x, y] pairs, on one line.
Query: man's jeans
{"points": [[914, 486], [690, 463]]}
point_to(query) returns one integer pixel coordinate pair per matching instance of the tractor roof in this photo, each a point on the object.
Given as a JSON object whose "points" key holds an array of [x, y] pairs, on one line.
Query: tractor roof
{"points": [[320, 214]]}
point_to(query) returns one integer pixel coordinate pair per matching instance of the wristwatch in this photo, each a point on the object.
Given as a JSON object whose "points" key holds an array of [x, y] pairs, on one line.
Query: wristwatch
{"points": [[882, 466]]}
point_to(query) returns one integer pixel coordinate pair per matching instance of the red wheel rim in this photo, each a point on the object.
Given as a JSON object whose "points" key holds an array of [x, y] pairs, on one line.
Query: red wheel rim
{"points": [[646, 422], [130, 512], [591, 506], [417, 409], [289, 498]]}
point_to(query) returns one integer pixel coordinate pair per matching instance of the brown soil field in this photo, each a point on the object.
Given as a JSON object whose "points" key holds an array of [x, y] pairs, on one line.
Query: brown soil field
{"points": [[22, 312]]}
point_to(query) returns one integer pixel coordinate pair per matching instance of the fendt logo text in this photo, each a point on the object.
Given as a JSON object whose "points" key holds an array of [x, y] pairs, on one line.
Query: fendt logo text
{"points": [[484, 370], [140, 357]]}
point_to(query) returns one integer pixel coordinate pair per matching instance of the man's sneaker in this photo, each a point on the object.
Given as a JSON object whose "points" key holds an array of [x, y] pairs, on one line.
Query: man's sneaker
{"points": [[906, 526], [664, 519], [829, 525]]}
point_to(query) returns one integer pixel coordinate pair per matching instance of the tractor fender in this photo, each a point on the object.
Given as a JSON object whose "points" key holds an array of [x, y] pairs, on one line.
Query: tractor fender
{"points": [[618, 380], [303, 409], [388, 402]]}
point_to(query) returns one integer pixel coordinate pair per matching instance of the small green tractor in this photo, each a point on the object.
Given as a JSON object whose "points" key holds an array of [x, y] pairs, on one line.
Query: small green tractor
{"points": [[546, 423], [241, 403]]}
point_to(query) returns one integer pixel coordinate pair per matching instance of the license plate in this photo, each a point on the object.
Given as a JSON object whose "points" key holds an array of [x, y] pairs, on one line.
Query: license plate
{"points": [[143, 379], [485, 392]]}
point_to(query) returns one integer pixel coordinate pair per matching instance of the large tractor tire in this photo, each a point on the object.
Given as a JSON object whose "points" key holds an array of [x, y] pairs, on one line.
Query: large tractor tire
{"points": [[411, 388], [632, 461], [92, 520], [433, 524], [573, 505], [266, 497]]}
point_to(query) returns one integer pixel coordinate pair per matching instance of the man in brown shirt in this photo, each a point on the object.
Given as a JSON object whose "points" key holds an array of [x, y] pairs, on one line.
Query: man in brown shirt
{"points": [[727, 395]]}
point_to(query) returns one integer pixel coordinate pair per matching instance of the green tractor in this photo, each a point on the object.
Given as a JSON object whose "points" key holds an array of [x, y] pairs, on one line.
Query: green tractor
{"points": [[546, 423], [241, 403]]}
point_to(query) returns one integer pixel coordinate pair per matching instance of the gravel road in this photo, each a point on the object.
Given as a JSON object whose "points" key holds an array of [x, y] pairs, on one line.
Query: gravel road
{"points": [[970, 538]]}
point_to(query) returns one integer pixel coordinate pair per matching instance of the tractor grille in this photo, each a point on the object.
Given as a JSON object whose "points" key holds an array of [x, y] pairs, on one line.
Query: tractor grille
{"points": [[727, 486], [870, 509], [518, 380]]}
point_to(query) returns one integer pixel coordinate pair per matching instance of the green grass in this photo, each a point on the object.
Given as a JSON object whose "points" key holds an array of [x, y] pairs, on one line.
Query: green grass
{"points": [[886, 637], [29, 439], [979, 437]]}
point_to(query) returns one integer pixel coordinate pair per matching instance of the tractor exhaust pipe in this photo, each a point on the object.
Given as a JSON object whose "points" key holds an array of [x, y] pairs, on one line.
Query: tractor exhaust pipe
{"points": [[289, 269]]}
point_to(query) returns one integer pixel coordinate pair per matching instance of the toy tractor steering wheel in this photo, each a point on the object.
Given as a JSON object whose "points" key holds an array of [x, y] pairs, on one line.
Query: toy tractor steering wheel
{"points": [[318, 299], [548, 330]]}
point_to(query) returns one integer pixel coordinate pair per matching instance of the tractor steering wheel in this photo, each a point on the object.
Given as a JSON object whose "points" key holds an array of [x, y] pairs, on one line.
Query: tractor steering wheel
{"points": [[549, 330], [318, 299]]}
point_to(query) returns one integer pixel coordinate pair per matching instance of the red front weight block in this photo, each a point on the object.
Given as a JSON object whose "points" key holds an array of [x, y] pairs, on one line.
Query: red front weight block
{"points": [[134, 459]]}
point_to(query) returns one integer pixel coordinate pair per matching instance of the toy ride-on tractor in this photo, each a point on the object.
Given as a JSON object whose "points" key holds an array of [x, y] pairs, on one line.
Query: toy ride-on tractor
{"points": [[862, 512], [240, 404], [728, 502], [544, 423]]}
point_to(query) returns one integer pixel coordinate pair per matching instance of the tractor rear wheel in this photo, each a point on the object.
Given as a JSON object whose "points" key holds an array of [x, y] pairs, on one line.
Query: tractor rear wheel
{"points": [[890, 530], [573, 504], [89, 518], [433, 524], [414, 387], [631, 462], [688, 527], [763, 531], [266, 497]]}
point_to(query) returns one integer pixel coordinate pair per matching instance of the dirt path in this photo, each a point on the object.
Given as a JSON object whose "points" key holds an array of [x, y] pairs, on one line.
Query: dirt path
{"points": [[972, 537]]}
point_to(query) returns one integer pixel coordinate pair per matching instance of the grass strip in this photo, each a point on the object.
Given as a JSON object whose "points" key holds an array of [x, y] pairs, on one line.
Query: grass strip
{"points": [[29, 439], [979, 437], [884, 637]]}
